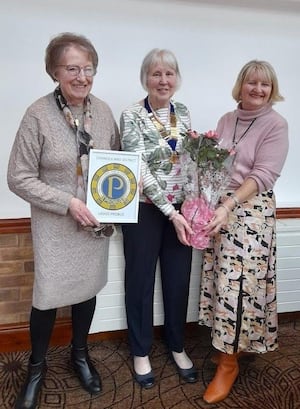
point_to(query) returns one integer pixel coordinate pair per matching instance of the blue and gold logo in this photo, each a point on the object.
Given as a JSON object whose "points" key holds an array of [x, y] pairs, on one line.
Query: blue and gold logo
{"points": [[113, 186]]}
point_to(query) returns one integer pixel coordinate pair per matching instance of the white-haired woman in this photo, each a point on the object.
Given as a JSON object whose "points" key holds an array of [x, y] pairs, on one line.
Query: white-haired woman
{"points": [[153, 127]]}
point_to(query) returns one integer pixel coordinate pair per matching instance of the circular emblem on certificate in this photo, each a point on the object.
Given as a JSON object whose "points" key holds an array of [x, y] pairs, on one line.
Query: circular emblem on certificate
{"points": [[113, 186]]}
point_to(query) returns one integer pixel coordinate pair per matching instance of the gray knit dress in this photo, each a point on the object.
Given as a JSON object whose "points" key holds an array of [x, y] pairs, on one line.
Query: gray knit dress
{"points": [[70, 265]]}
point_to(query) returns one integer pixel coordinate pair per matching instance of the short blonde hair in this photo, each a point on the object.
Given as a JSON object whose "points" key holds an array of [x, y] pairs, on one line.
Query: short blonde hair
{"points": [[156, 56], [266, 71]]}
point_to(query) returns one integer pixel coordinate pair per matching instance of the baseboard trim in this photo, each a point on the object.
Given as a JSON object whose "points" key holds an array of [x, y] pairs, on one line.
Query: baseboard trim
{"points": [[15, 338]]}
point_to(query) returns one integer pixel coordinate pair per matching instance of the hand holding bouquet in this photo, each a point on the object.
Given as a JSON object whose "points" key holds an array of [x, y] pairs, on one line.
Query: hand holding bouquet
{"points": [[206, 167]]}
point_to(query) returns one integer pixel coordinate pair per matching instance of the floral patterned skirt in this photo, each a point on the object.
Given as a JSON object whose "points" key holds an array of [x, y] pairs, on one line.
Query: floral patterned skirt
{"points": [[238, 280]]}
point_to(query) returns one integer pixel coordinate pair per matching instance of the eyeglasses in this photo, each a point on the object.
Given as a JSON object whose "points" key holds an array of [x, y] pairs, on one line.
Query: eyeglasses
{"points": [[75, 70]]}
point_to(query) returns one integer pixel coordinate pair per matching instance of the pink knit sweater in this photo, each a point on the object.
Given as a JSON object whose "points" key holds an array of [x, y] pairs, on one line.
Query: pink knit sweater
{"points": [[262, 151]]}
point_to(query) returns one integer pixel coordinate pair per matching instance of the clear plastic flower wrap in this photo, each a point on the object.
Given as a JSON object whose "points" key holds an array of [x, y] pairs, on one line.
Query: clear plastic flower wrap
{"points": [[207, 169]]}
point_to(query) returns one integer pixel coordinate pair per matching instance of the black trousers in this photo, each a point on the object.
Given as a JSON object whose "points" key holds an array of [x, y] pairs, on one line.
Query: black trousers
{"points": [[154, 238]]}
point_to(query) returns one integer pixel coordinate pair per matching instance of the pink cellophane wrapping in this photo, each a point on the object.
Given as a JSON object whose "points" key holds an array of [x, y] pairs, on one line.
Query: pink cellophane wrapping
{"points": [[198, 213]]}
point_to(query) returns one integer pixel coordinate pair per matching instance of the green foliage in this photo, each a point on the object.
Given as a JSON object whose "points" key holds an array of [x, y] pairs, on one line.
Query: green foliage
{"points": [[205, 151]]}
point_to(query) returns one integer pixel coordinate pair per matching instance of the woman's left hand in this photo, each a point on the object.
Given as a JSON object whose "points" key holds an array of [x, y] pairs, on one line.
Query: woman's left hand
{"points": [[182, 228]]}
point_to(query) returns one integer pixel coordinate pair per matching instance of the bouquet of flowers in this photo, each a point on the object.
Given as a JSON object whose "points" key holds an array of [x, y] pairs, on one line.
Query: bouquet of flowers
{"points": [[207, 169]]}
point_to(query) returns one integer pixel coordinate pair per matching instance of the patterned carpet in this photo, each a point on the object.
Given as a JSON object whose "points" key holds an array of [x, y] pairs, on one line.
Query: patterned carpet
{"points": [[271, 381]]}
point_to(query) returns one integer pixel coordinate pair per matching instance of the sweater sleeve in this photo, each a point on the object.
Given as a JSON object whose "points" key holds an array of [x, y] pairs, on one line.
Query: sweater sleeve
{"points": [[270, 156], [260, 155], [23, 169]]}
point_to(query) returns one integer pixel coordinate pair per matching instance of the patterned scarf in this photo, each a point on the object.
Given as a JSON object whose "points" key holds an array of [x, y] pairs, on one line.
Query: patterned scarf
{"points": [[84, 144]]}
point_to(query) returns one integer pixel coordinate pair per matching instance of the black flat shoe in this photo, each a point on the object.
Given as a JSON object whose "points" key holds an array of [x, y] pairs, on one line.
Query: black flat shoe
{"points": [[145, 381], [189, 375]]}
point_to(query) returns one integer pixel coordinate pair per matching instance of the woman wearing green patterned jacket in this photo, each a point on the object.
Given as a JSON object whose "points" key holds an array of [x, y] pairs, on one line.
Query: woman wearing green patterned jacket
{"points": [[154, 127]]}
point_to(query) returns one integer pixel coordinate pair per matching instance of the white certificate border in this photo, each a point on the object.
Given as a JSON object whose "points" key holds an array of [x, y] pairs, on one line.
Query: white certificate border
{"points": [[98, 159]]}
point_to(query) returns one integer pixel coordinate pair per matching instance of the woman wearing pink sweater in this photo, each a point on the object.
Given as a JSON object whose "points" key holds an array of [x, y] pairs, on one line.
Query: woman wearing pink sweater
{"points": [[238, 284]]}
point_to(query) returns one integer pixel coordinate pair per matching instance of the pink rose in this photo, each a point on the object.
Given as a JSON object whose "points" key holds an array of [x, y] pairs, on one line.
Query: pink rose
{"points": [[211, 134], [193, 134]]}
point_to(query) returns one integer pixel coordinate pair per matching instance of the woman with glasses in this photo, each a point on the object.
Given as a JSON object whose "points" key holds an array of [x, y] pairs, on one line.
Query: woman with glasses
{"points": [[48, 168]]}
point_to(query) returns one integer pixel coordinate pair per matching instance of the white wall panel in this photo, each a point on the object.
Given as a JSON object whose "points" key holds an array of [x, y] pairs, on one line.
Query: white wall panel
{"points": [[290, 287], [110, 312], [290, 275], [288, 265]]}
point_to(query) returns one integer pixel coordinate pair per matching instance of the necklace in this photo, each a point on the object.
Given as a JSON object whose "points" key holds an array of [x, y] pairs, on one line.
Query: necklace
{"points": [[78, 116], [234, 141], [169, 135]]}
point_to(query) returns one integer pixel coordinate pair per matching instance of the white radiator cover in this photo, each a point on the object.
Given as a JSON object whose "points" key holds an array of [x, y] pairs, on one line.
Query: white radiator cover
{"points": [[288, 265], [110, 310]]}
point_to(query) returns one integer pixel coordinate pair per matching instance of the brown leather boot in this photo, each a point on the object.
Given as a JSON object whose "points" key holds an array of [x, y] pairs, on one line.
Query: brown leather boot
{"points": [[226, 374]]}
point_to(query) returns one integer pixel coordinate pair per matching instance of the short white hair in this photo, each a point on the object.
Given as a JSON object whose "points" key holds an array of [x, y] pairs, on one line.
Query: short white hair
{"points": [[154, 57]]}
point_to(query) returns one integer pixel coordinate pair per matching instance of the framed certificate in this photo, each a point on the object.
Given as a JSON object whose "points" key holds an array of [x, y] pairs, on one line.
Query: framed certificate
{"points": [[112, 189]]}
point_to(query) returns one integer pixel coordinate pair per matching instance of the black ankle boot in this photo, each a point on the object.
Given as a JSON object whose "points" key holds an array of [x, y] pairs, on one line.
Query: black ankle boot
{"points": [[85, 370], [28, 396]]}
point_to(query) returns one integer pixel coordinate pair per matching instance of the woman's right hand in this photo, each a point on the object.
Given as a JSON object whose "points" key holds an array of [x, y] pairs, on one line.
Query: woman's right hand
{"points": [[81, 213], [219, 220]]}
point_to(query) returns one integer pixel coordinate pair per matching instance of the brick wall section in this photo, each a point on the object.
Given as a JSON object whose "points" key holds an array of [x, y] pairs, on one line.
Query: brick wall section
{"points": [[16, 279]]}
